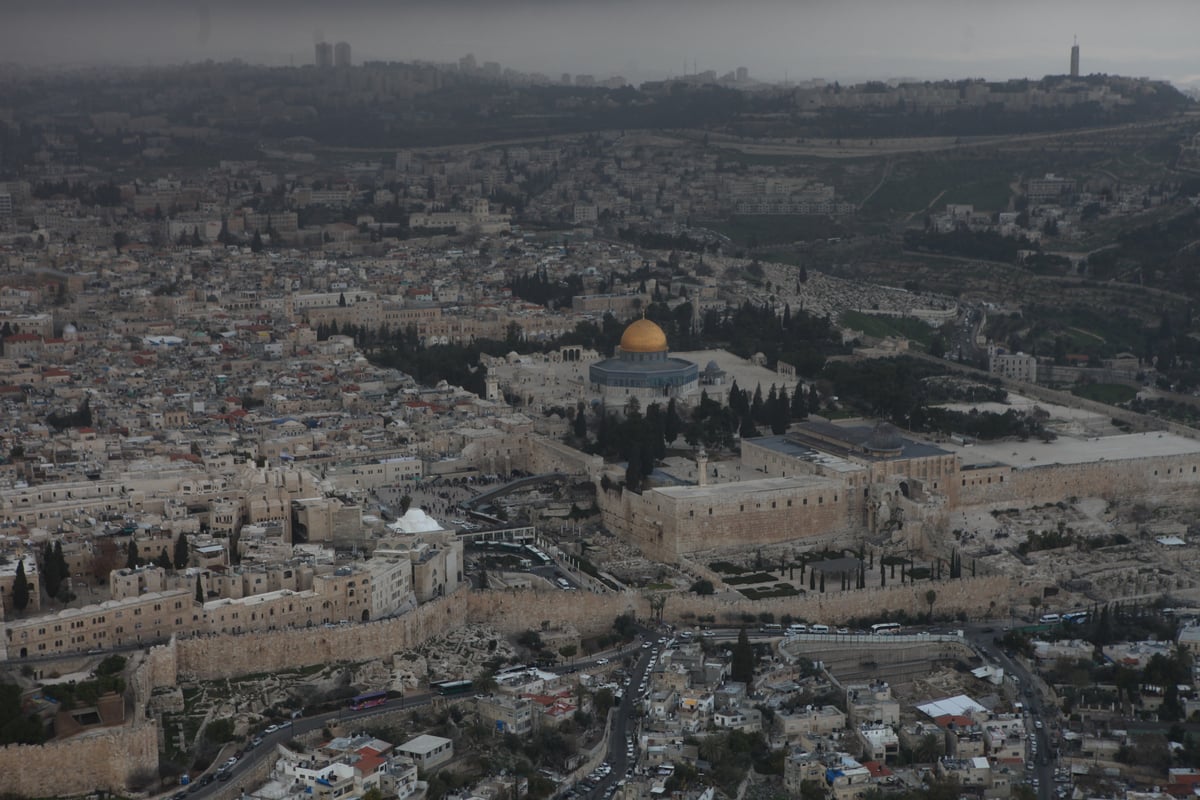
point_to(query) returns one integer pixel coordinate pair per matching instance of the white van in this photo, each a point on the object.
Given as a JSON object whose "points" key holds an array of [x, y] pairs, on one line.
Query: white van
{"points": [[797, 627], [819, 629]]}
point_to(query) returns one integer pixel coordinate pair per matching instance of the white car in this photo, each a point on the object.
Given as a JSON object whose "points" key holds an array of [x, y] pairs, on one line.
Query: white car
{"points": [[601, 661]]}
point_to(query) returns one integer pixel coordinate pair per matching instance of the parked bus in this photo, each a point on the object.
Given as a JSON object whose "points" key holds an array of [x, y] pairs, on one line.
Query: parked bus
{"points": [[772, 627], [368, 700], [1077, 617], [885, 628], [451, 688]]}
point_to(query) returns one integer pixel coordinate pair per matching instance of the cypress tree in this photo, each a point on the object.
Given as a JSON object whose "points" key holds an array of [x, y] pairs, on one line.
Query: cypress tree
{"points": [[741, 666], [199, 590], [20, 590], [181, 551], [64, 571], [132, 560], [51, 576]]}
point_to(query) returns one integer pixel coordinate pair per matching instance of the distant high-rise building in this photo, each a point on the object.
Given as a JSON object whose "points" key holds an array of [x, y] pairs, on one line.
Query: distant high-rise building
{"points": [[341, 54], [743, 74], [1075, 60], [324, 54]]}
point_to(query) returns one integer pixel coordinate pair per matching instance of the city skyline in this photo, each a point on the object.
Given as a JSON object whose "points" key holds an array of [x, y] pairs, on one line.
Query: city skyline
{"points": [[642, 41]]}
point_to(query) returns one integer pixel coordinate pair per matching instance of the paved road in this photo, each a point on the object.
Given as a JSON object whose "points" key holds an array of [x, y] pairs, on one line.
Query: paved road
{"points": [[1042, 718], [624, 718], [299, 727], [341, 716]]}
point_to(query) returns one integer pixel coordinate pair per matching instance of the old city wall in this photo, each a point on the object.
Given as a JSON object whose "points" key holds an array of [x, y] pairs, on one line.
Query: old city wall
{"points": [[515, 610], [546, 455], [664, 527], [766, 517], [223, 656], [107, 759], [1156, 478]]}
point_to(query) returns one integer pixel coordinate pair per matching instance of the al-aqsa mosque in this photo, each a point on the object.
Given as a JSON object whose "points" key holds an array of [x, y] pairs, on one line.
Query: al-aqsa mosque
{"points": [[643, 368]]}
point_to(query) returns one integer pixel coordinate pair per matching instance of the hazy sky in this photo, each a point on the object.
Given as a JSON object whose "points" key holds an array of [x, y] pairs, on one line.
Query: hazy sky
{"points": [[641, 39]]}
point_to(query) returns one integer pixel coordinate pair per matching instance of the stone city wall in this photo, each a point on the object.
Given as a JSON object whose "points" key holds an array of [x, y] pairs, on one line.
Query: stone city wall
{"points": [[547, 455], [223, 656], [107, 759], [1154, 478], [664, 527], [516, 610]]}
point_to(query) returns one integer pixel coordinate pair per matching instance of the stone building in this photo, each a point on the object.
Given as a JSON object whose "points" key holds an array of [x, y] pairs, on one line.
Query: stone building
{"points": [[642, 369]]}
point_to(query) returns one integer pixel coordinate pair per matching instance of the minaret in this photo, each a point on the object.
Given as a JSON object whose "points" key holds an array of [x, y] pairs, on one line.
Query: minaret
{"points": [[1075, 58], [701, 467]]}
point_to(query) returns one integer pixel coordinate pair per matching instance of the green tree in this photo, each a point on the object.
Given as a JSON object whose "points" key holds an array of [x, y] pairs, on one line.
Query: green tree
{"points": [[580, 429], [702, 587], [199, 590], [182, 551], [132, 560], [741, 667], [626, 626], [20, 590], [633, 471], [256, 244], [219, 731], [673, 423], [813, 790], [931, 598], [405, 504], [568, 651], [164, 559], [603, 700], [51, 574], [530, 639]]}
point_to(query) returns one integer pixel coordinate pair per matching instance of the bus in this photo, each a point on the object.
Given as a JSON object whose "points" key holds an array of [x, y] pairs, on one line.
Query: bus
{"points": [[1077, 617], [368, 700], [451, 688], [885, 628]]}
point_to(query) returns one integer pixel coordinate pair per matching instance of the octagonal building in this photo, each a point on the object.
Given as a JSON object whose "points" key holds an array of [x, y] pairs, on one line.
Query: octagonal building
{"points": [[643, 368]]}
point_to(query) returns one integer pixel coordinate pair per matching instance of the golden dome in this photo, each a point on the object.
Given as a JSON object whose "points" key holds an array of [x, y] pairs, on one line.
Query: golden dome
{"points": [[643, 336]]}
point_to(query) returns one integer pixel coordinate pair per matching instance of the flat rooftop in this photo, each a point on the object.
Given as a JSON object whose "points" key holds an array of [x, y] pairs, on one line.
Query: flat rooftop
{"points": [[1070, 450], [787, 446], [749, 376]]}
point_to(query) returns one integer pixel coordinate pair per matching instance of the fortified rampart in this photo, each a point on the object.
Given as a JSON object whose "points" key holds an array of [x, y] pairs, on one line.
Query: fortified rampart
{"points": [[106, 759], [668, 522], [515, 610], [224, 656], [548, 455], [1153, 478]]}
